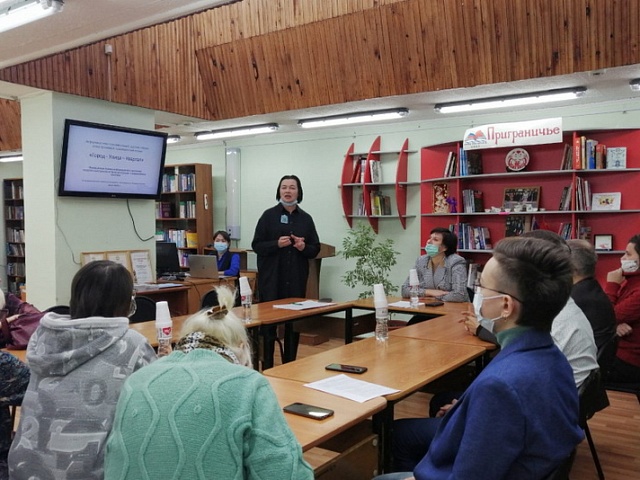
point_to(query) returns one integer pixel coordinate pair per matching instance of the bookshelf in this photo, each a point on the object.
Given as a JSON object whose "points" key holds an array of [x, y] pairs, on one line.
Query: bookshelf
{"points": [[555, 175], [184, 214], [364, 192], [14, 233]]}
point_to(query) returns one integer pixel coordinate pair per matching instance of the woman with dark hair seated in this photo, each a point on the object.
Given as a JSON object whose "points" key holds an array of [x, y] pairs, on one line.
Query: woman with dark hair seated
{"points": [[78, 363], [442, 272], [516, 420], [228, 263], [623, 289], [203, 412], [14, 378]]}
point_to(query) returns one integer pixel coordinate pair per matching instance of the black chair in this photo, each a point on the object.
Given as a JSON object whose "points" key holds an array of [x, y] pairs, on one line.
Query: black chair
{"points": [[607, 353], [209, 299], [145, 310], [593, 398], [60, 309]]}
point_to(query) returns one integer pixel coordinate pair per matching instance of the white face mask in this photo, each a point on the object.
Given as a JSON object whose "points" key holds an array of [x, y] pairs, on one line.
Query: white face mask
{"points": [[629, 266], [487, 323], [288, 204]]}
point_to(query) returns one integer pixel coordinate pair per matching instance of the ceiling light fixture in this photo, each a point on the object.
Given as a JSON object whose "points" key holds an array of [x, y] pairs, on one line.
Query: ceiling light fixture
{"points": [[635, 85], [377, 116], [173, 138], [15, 13], [11, 158], [237, 132], [512, 100]]}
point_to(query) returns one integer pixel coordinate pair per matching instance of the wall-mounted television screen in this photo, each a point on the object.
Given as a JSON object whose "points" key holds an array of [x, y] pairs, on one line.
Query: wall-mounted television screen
{"points": [[109, 161]]}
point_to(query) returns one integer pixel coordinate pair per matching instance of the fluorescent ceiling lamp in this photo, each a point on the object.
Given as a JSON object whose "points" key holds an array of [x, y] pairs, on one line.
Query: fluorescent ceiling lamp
{"points": [[332, 121], [512, 100], [635, 85], [173, 138], [237, 132], [15, 13], [11, 158]]}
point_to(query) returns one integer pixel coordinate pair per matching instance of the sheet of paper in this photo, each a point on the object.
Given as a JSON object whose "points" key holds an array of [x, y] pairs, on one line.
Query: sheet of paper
{"points": [[404, 304], [347, 387], [303, 305]]}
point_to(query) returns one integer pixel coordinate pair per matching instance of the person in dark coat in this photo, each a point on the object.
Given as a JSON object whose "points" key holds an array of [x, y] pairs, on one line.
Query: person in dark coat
{"points": [[285, 240]]}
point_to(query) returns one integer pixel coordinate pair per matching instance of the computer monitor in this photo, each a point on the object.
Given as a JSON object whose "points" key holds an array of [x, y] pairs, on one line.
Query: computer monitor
{"points": [[167, 258]]}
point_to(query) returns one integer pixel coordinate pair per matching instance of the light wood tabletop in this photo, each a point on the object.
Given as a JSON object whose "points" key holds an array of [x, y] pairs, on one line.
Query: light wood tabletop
{"points": [[267, 314], [311, 433], [20, 354], [447, 308], [403, 363], [442, 329]]}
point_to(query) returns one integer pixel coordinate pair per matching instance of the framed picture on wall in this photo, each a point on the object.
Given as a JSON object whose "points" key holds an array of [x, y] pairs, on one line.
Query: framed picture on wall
{"points": [[603, 242], [606, 201], [521, 199]]}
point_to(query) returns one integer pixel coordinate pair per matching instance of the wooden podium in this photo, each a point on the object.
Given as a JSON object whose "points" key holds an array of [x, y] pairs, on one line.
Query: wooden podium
{"points": [[313, 281]]}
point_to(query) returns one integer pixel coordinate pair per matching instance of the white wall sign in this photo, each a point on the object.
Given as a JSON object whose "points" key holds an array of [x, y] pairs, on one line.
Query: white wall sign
{"points": [[499, 135]]}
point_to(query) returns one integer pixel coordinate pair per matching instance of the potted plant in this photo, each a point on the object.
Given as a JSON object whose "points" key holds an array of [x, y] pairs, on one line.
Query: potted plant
{"points": [[374, 260]]}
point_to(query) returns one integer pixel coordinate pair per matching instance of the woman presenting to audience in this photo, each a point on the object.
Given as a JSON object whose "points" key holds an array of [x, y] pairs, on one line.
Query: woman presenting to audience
{"points": [[442, 272], [285, 239]]}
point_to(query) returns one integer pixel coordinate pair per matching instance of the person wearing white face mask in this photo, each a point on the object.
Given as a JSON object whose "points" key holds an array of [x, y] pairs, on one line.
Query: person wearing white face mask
{"points": [[623, 289], [228, 263], [442, 272], [524, 403]]}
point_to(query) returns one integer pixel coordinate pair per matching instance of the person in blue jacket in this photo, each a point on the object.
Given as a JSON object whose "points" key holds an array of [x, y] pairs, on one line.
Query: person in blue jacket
{"points": [[519, 418], [228, 263]]}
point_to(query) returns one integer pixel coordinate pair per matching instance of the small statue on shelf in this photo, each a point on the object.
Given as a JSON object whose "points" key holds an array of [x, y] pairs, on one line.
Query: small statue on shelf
{"points": [[452, 204]]}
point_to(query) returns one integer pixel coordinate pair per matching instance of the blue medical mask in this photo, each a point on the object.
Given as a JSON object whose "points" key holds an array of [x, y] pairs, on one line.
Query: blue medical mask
{"points": [[431, 249], [288, 204], [487, 323], [220, 246]]}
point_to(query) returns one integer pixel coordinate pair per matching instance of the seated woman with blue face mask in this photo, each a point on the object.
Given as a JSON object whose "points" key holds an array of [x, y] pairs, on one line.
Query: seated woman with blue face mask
{"points": [[228, 263], [442, 273], [515, 420]]}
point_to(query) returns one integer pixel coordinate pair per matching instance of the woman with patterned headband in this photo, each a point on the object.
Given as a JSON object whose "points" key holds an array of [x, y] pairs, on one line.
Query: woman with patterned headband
{"points": [[203, 409]]}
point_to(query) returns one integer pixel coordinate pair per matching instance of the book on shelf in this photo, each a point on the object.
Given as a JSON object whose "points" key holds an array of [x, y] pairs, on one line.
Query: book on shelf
{"points": [[472, 201], [516, 225], [565, 162], [450, 165], [583, 231], [440, 195], [191, 239], [590, 153], [578, 145], [472, 275], [375, 171], [363, 168], [601, 156], [616, 157], [355, 177], [565, 230]]}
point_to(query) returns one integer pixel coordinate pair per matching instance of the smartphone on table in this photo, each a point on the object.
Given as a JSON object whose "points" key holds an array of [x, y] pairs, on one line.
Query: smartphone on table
{"points": [[309, 411], [341, 367], [433, 303]]}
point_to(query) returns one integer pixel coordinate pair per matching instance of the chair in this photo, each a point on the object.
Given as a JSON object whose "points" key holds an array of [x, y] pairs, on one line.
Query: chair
{"points": [[593, 398], [59, 309], [209, 299], [607, 353], [145, 310]]}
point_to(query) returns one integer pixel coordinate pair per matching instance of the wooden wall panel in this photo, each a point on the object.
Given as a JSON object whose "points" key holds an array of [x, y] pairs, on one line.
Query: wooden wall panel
{"points": [[10, 129], [259, 56]]}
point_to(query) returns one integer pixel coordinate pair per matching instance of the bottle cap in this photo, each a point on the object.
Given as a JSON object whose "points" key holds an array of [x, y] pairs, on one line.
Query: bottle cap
{"points": [[245, 289], [379, 297], [413, 277], [163, 317]]}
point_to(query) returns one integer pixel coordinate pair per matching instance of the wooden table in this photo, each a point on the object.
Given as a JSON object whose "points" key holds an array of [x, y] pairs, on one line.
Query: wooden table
{"points": [[311, 433], [447, 308], [403, 363], [176, 297], [20, 354], [267, 314]]}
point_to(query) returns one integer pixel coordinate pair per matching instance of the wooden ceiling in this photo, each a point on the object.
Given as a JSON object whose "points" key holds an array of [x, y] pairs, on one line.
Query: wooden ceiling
{"points": [[263, 56]]}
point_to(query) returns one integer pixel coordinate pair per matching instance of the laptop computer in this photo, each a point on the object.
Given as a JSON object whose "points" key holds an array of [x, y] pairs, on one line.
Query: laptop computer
{"points": [[204, 266]]}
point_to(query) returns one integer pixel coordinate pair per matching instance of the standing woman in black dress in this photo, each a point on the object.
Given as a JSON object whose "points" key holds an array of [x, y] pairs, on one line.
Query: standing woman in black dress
{"points": [[285, 239]]}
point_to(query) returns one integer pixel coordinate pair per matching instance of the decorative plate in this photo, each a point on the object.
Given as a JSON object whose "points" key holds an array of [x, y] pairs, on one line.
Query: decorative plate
{"points": [[517, 159]]}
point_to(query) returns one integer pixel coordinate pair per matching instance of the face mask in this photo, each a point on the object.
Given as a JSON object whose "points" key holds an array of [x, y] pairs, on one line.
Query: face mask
{"points": [[431, 249], [220, 246], [487, 323], [629, 266], [288, 204]]}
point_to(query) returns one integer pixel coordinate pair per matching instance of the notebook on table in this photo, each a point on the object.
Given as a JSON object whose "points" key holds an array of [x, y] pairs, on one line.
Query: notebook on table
{"points": [[204, 266]]}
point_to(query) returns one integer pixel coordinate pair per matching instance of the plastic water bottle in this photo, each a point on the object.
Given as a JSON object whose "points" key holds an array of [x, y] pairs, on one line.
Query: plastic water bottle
{"points": [[414, 288], [382, 313], [245, 298], [164, 328]]}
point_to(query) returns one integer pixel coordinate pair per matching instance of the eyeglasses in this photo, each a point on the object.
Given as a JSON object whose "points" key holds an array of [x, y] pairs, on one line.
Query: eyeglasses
{"points": [[133, 306], [479, 286]]}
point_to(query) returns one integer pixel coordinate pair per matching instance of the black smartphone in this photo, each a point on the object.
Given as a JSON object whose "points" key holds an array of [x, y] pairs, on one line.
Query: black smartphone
{"points": [[309, 411], [341, 367], [434, 303]]}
